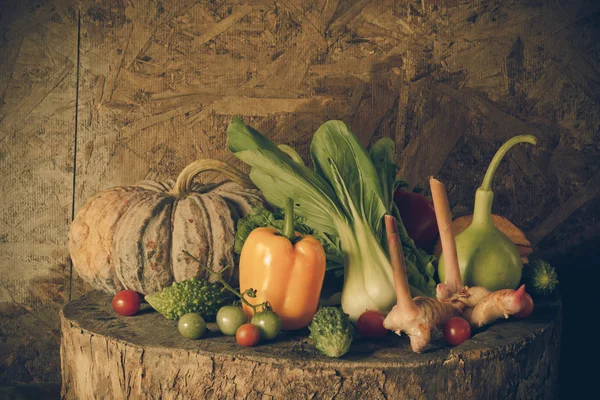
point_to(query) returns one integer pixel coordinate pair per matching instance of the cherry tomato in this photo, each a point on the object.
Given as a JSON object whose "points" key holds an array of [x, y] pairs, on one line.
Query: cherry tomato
{"points": [[126, 302], [247, 335], [456, 331], [370, 324], [527, 309], [268, 323], [418, 217], [191, 326], [229, 319]]}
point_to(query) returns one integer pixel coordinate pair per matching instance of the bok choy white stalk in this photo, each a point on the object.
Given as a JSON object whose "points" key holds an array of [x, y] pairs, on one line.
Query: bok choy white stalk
{"points": [[347, 194]]}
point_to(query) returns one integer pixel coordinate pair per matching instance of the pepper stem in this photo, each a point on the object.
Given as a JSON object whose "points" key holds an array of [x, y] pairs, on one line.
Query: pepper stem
{"points": [[288, 220], [489, 175]]}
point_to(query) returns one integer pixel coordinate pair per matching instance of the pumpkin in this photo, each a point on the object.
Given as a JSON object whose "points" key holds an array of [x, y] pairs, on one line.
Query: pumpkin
{"points": [[133, 237]]}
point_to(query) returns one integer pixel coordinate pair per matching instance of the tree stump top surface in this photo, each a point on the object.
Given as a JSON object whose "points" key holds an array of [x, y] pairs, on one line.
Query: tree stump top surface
{"points": [[148, 329]]}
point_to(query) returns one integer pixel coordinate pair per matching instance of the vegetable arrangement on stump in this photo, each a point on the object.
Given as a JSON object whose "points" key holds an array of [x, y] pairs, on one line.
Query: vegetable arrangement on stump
{"points": [[326, 249]]}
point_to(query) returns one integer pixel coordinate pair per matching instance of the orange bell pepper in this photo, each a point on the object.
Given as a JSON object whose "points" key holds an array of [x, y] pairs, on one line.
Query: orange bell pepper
{"points": [[285, 269]]}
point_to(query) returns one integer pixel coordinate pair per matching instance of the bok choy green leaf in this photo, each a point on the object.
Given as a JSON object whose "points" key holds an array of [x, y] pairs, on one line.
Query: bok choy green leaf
{"points": [[346, 195]]}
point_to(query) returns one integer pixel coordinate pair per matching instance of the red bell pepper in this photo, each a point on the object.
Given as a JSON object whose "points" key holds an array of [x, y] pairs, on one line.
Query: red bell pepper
{"points": [[418, 216]]}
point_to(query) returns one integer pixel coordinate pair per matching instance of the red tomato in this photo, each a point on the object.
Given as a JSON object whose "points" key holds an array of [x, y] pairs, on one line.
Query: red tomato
{"points": [[456, 331], [126, 302], [418, 217], [527, 309], [247, 335], [370, 324]]}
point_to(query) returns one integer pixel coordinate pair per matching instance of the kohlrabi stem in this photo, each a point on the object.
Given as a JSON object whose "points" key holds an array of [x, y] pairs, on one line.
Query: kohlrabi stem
{"points": [[288, 219], [489, 175], [249, 292], [484, 197]]}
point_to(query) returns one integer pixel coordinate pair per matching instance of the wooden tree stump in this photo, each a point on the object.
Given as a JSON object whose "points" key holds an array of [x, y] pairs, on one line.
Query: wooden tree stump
{"points": [[106, 356]]}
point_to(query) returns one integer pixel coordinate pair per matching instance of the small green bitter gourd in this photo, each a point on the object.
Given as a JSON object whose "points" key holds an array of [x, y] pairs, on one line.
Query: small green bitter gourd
{"points": [[190, 296]]}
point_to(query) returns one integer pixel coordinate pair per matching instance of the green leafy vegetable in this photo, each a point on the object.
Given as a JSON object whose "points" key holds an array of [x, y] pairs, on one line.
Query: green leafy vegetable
{"points": [[331, 331], [346, 196], [279, 177], [341, 159]]}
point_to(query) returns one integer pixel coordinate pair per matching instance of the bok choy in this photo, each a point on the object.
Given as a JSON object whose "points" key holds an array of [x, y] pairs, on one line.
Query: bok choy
{"points": [[346, 195]]}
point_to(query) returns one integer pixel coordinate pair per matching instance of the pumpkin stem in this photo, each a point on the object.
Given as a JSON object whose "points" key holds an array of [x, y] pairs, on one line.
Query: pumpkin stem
{"points": [[186, 177]]}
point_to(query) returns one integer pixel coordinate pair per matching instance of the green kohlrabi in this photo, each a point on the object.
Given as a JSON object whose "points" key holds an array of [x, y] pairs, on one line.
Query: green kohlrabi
{"points": [[346, 195]]}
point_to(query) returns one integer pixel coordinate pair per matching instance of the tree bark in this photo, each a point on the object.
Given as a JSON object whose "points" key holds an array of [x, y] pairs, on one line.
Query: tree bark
{"points": [[106, 356]]}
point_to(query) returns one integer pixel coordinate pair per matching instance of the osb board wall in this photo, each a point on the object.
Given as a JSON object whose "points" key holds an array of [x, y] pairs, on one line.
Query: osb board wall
{"points": [[38, 48], [158, 82]]}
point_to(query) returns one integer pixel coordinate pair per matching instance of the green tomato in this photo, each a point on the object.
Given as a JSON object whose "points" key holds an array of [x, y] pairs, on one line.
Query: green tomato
{"points": [[191, 326], [268, 322], [229, 319]]}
